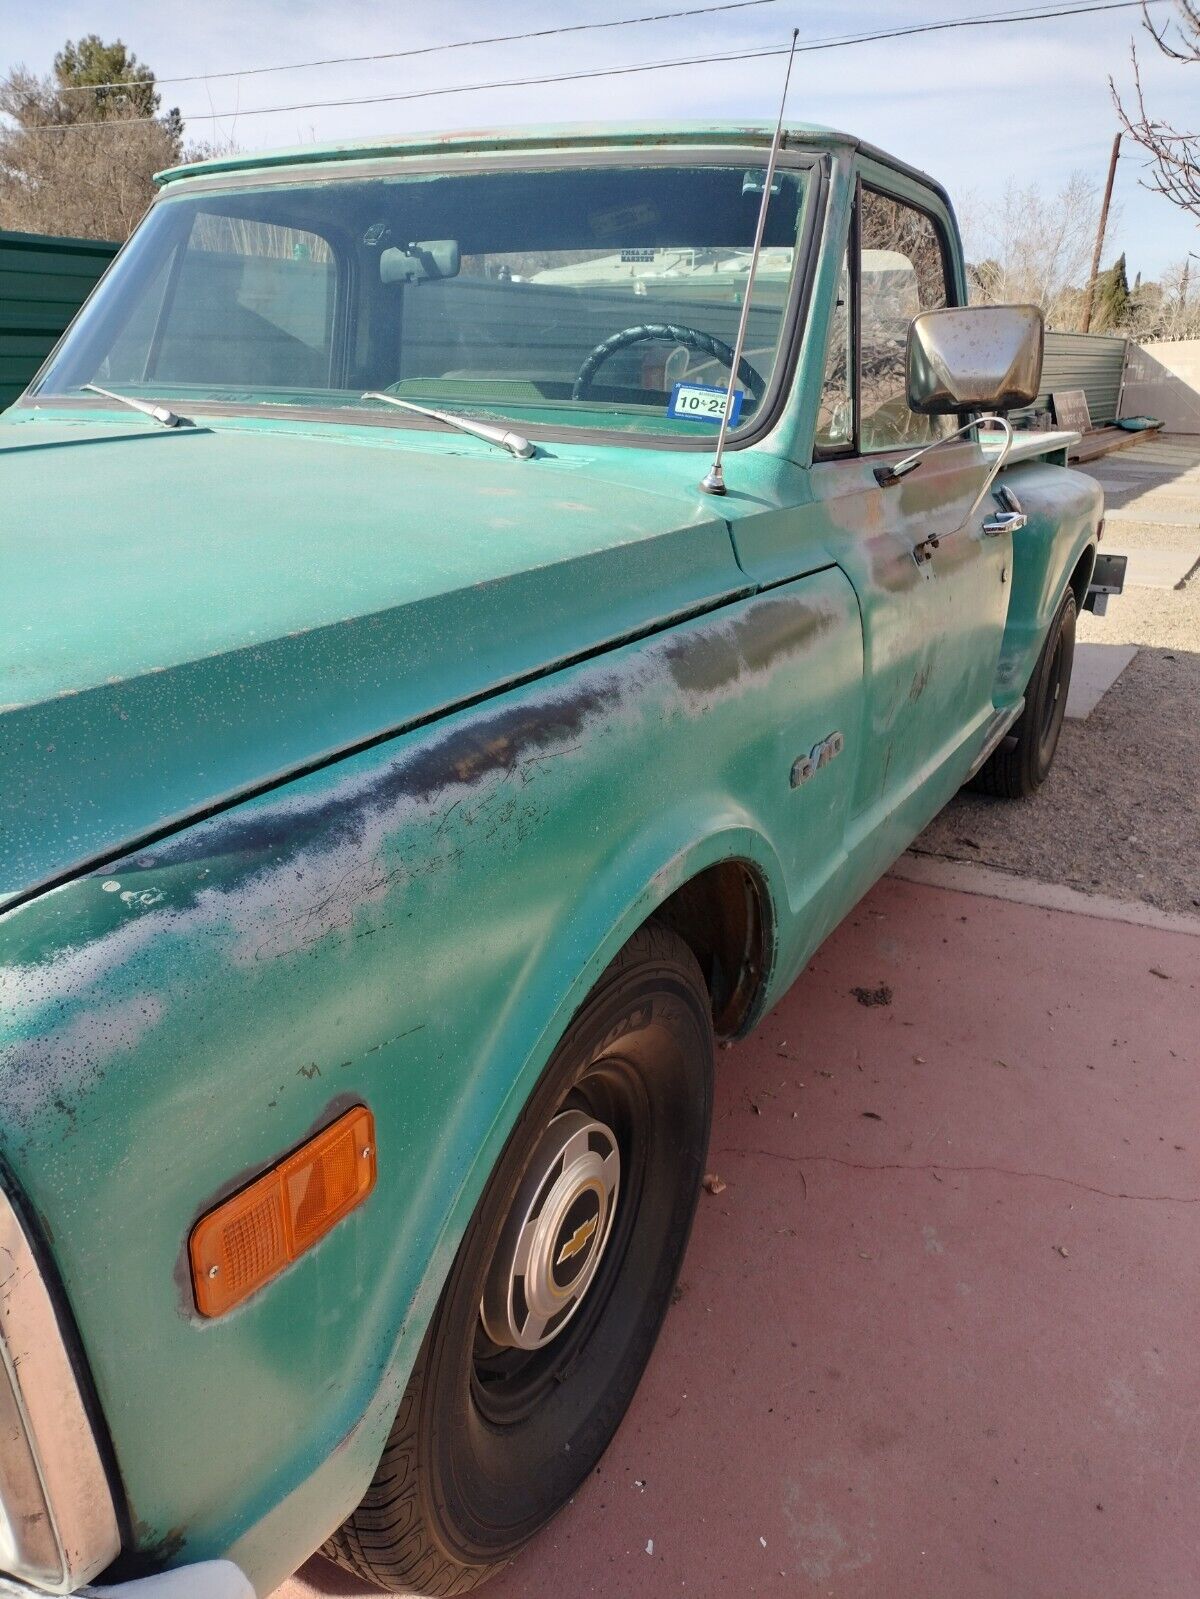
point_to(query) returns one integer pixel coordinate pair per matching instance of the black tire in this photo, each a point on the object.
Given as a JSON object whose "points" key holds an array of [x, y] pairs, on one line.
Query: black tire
{"points": [[1021, 763], [492, 1439]]}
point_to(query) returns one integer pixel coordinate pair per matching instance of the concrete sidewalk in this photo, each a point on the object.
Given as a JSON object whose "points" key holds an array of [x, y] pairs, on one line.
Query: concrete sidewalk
{"points": [[936, 1339]]}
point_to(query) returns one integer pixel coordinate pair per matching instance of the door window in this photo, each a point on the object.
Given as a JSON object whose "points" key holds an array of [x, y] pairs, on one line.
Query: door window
{"points": [[901, 271], [835, 415]]}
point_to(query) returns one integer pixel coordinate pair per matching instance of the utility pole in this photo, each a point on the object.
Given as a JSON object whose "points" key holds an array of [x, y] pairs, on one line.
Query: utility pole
{"points": [[1108, 189]]}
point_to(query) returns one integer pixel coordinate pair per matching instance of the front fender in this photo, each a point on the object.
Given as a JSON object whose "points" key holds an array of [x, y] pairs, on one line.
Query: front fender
{"points": [[411, 927], [1064, 510], [678, 848]]}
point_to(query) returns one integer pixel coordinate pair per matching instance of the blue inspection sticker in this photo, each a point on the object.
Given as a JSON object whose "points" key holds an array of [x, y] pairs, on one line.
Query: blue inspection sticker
{"points": [[698, 402]]}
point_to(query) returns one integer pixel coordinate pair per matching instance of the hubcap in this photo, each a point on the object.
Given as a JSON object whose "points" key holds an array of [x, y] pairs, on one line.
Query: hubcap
{"points": [[555, 1234]]}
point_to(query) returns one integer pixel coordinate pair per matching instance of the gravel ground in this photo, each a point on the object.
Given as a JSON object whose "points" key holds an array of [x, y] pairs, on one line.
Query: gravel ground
{"points": [[1120, 812]]}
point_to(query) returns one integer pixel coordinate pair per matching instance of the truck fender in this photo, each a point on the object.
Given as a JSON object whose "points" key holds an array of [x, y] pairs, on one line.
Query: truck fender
{"points": [[1064, 510]]}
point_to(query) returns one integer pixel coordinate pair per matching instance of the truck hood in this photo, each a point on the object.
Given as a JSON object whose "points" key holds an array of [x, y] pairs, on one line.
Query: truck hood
{"points": [[188, 615]]}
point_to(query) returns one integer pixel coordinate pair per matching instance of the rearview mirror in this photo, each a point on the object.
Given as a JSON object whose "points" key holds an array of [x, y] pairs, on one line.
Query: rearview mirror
{"points": [[974, 358], [425, 260]]}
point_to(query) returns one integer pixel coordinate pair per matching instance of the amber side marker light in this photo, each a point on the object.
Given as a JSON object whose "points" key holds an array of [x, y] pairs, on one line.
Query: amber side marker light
{"points": [[259, 1231]]}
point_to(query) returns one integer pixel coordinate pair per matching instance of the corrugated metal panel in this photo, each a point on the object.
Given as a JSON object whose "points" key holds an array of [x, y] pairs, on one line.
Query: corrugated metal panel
{"points": [[43, 282], [1092, 362]]}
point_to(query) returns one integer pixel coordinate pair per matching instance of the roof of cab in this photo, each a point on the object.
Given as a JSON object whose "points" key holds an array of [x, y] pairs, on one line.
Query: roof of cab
{"points": [[563, 136]]}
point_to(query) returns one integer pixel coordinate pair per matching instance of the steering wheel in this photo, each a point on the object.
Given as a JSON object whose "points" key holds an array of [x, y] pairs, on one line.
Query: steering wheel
{"points": [[690, 338]]}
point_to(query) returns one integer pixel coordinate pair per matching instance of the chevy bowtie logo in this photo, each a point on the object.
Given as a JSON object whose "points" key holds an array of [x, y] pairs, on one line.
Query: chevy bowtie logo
{"points": [[577, 1241]]}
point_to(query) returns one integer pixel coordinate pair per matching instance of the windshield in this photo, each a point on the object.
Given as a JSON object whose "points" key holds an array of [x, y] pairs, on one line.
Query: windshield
{"points": [[589, 296]]}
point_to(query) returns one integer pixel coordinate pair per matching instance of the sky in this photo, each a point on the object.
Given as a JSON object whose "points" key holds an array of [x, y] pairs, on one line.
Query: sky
{"points": [[977, 108]]}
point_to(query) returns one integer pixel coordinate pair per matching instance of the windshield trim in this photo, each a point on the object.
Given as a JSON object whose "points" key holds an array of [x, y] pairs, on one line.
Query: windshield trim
{"points": [[455, 162], [813, 162]]}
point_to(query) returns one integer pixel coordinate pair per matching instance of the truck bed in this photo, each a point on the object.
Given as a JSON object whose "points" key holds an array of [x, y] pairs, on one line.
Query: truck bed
{"points": [[1032, 445]]}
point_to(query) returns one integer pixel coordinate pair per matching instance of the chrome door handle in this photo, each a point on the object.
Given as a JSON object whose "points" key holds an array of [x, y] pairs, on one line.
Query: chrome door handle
{"points": [[1004, 522], [1010, 520]]}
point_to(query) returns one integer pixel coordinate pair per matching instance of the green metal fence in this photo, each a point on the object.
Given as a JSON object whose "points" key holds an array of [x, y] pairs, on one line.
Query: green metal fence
{"points": [[43, 282], [1092, 362]]}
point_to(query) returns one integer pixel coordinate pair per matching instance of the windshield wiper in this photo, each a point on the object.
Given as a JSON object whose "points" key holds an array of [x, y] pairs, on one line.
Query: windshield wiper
{"points": [[515, 443], [168, 419]]}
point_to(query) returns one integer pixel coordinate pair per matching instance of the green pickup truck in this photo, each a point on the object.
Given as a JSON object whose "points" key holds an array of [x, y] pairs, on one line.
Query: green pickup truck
{"points": [[415, 755]]}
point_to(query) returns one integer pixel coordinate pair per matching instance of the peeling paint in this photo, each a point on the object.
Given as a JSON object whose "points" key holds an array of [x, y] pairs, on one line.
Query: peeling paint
{"points": [[337, 832], [275, 877], [50, 1068]]}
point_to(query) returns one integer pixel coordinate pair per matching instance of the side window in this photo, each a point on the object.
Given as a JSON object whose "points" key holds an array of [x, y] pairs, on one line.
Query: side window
{"points": [[902, 270], [835, 417], [253, 304]]}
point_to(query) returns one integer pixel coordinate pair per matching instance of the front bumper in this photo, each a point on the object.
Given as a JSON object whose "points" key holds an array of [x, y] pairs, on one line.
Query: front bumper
{"points": [[207, 1579]]}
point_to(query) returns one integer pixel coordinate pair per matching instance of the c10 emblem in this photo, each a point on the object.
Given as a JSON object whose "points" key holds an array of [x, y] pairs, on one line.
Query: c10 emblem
{"points": [[820, 755]]}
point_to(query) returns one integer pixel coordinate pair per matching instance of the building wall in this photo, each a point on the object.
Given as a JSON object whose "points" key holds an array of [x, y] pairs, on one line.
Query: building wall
{"points": [[1163, 380]]}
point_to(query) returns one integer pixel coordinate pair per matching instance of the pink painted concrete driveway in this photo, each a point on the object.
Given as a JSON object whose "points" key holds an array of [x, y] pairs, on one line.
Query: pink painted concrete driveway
{"points": [[937, 1337]]}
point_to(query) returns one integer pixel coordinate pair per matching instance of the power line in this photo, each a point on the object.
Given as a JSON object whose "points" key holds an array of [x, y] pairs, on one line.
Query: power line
{"points": [[995, 19], [426, 49]]}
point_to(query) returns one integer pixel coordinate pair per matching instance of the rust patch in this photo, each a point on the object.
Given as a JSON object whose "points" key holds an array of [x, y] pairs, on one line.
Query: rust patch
{"points": [[704, 663], [152, 1554], [920, 682], [891, 564], [771, 630]]}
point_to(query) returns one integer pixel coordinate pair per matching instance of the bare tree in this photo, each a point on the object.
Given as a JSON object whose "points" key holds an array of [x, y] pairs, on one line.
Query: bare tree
{"points": [[1168, 309], [1033, 248], [1174, 152], [78, 151]]}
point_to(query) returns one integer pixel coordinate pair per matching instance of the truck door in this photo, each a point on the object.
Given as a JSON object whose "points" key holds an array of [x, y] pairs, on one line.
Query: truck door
{"points": [[933, 620]]}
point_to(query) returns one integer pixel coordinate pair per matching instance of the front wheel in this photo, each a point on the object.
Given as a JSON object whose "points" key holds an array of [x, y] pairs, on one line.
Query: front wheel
{"points": [[559, 1288], [1021, 764]]}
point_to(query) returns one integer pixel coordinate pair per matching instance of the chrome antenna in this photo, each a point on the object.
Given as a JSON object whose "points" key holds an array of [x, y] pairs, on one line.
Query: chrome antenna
{"points": [[713, 481]]}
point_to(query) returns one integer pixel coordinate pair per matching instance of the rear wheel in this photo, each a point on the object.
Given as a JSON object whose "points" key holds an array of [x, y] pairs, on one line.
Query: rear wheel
{"points": [[1021, 764], [559, 1288]]}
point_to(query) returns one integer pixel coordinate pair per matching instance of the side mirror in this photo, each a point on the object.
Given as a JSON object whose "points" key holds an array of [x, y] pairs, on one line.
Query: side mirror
{"points": [[425, 260], [974, 358]]}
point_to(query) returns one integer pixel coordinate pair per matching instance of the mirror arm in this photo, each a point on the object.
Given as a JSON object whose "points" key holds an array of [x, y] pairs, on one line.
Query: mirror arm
{"points": [[892, 472]]}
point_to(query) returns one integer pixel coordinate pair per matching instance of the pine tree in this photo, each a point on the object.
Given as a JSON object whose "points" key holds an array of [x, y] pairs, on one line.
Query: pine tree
{"points": [[120, 82], [1112, 297]]}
